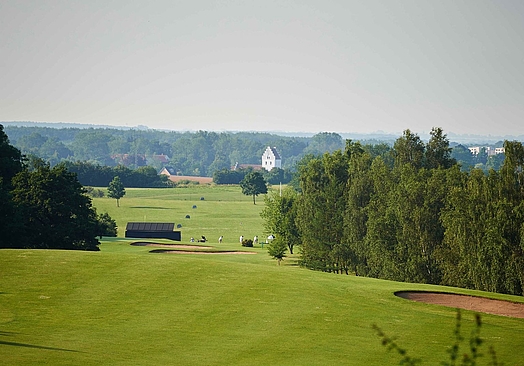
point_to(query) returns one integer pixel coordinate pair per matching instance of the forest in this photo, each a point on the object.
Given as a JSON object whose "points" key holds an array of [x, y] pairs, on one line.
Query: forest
{"points": [[199, 153], [45, 207], [407, 214]]}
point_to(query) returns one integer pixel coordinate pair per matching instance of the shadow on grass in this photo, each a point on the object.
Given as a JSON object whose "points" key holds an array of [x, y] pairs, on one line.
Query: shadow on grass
{"points": [[25, 345], [16, 344]]}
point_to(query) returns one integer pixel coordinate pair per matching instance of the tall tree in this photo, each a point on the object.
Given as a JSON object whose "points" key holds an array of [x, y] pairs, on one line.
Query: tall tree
{"points": [[116, 190], [360, 190], [279, 214], [320, 212], [438, 152], [409, 149], [253, 184], [55, 211], [10, 159]]}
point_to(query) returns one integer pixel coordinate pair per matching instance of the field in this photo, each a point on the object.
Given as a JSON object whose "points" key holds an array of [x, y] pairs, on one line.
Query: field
{"points": [[127, 306]]}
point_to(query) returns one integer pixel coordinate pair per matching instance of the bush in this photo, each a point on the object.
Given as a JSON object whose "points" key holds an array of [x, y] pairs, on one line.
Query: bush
{"points": [[247, 243], [94, 192]]}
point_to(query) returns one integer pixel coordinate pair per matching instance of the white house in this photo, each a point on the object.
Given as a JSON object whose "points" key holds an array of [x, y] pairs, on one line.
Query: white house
{"points": [[271, 159], [475, 150]]}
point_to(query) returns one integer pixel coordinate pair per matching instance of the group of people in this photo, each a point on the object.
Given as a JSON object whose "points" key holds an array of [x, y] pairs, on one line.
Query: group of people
{"points": [[221, 238], [255, 239]]}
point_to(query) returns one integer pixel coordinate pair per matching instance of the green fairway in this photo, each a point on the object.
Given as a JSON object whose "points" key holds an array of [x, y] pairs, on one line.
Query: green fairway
{"points": [[127, 306], [219, 211]]}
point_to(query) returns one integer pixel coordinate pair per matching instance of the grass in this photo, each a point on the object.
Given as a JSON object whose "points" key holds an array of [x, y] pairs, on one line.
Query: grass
{"points": [[124, 305], [223, 211]]}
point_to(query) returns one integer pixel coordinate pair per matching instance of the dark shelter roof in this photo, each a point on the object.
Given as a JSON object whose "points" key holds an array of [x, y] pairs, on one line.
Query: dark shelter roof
{"points": [[160, 230], [150, 226]]}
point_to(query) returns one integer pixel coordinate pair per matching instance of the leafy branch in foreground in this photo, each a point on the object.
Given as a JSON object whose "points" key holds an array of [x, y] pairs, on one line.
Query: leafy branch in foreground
{"points": [[455, 358]]}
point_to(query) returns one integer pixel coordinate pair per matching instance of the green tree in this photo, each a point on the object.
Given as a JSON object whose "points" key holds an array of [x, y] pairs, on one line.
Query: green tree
{"points": [[10, 165], [55, 211], [409, 149], [438, 152], [279, 214], [116, 190], [320, 212], [463, 157], [107, 226], [277, 249], [253, 184], [10, 159]]}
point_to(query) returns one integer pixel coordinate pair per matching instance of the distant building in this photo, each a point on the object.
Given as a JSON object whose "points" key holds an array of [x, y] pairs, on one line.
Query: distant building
{"points": [[500, 150], [271, 159], [129, 159], [162, 158], [475, 150], [168, 170]]}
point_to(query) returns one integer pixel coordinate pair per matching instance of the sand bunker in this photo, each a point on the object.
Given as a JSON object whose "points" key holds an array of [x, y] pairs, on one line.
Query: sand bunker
{"points": [[181, 246], [474, 303], [199, 252], [205, 249]]}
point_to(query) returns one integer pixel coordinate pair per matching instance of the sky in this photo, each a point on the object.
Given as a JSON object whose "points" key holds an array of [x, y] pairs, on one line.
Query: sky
{"points": [[292, 66]]}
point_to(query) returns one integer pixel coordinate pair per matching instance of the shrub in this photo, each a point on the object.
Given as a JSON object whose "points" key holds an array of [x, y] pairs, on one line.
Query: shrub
{"points": [[247, 243], [94, 192]]}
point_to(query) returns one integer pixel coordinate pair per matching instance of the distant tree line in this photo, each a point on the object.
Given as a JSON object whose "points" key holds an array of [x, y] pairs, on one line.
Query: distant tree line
{"points": [[408, 214], [95, 175], [200, 153], [45, 207], [274, 176]]}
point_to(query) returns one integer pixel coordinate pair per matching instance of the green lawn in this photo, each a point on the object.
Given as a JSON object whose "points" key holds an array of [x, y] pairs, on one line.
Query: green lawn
{"points": [[126, 306]]}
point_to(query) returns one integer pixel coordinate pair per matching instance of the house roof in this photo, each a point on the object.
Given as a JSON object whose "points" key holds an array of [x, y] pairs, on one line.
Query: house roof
{"points": [[168, 169], [161, 158], [274, 152]]}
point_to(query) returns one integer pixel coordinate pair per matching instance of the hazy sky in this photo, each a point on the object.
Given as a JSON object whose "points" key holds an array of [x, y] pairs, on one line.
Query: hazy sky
{"points": [[311, 66]]}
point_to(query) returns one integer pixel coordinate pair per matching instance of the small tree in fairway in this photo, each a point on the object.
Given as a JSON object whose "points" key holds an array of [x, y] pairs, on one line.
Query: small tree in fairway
{"points": [[253, 184], [116, 190], [277, 249]]}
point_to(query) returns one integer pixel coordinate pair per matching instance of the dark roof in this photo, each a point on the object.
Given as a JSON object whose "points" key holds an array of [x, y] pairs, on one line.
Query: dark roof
{"points": [[150, 226], [274, 151]]}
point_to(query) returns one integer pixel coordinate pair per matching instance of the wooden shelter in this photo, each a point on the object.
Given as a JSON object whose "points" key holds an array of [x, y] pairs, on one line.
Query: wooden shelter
{"points": [[157, 230]]}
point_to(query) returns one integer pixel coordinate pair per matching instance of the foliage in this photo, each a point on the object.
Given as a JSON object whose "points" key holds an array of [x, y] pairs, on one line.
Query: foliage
{"points": [[68, 288], [10, 159], [94, 192], [253, 184], [55, 211], [116, 190], [247, 243], [279, 214], [227, 176], [106, 226], [420, 219], [456, 357], [277, 176], [93, 174], [277, 249]]}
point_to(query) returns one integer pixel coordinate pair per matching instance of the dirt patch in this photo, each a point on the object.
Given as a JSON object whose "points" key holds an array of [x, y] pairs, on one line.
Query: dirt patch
{"points": [[172, 246], [473, 303], [201, 180], [199, 252]]}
